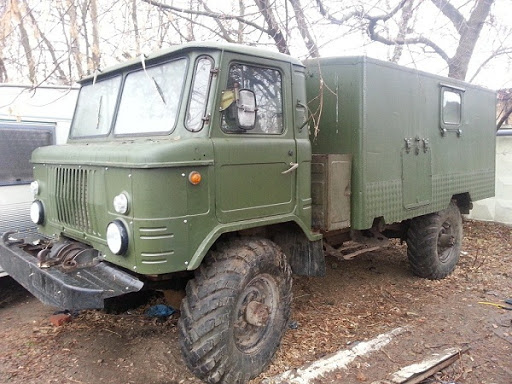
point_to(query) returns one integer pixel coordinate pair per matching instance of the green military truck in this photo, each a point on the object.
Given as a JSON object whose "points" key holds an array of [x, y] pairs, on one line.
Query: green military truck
{"points": [[232, 167]]}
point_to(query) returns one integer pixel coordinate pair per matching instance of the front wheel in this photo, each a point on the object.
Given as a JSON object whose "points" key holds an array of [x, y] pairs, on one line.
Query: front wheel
{"points": [[236, 311], [434, 241]]}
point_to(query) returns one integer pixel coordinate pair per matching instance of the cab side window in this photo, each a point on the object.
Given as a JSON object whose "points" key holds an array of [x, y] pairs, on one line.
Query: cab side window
{"points": [[266, 83]]}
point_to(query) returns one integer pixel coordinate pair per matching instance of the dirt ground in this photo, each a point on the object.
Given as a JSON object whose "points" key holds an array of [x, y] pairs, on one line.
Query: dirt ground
{"points": [[356, 301]]}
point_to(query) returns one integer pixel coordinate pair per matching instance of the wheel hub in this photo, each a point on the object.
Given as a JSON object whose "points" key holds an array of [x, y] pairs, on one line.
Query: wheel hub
{"points": [[257, 314], [446, 240]]}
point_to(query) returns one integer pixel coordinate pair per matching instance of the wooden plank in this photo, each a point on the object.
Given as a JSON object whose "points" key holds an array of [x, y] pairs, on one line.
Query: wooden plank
{"points": [[415, 373], [312, 372]]}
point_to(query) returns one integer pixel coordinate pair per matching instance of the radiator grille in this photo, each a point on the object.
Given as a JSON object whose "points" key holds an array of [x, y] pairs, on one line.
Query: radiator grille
{"points": [[71, 197]]}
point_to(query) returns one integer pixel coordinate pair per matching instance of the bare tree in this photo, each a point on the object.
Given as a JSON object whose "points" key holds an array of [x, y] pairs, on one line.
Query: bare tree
{"points": [[4, 31], [468, 30], [240, 30], [504, 106], [274, 29], [96, 33], [404, 28], [19, 17], [381, 27], [304, 30], [95, 57], [50, 48], [135, 22]]}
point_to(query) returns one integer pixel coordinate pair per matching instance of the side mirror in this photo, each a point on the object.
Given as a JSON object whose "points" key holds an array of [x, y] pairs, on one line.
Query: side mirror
{"points": [[246, 109]]}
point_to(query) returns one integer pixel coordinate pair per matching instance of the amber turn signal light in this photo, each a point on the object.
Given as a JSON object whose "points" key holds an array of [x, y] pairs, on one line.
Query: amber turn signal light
{"points": [[194, 177]]}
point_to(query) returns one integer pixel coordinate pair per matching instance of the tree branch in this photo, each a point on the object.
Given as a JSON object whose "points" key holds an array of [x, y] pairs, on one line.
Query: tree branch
{"points": [[495, 54], [135, 22], [274, 30], [469, 35], [213, 15], [240, 29], [3, 72], [504, 117], [375, 36], [95, 36], [25, 42], [402, 30], [325, 13], [505, 99], [51, 49], [451, 13], [304, 29], [224, 33]]}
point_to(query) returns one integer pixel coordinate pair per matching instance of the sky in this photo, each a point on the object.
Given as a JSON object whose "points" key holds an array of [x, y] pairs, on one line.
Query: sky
{"points": [[115, 20], [497, 74]]}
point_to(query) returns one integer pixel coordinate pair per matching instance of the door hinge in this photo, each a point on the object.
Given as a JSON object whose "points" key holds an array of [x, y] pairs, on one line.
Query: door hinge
{"points": [[206, 118]]}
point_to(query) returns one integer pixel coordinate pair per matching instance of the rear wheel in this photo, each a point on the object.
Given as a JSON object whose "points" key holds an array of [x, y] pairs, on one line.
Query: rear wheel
{"points": [[434, 241], [236, 311]]}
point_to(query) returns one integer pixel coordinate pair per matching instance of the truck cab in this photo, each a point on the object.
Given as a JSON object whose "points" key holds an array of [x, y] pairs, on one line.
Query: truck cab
{"points": [[157, 167]]}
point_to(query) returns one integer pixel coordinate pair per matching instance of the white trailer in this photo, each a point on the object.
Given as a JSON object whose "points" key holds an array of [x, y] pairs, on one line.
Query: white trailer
{"points": [[29, 118]]}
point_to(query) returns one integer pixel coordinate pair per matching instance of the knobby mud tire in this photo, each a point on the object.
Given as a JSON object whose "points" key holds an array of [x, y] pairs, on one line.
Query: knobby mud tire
{"points": [[218, 343], [428, 256]]}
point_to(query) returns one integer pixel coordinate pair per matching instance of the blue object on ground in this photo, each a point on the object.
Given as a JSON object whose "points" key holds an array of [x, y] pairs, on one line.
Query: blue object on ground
{"points": [[293, 325], [160, 310]]}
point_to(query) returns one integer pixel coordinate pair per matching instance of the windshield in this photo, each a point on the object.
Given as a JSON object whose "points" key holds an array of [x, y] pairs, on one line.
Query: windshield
{"points": [[95, 108], [151, 99], [149, 103]]}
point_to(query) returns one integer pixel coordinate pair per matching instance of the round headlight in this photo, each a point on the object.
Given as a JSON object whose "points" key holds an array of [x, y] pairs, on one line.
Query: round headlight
{"points": [[34, 187], [37, 212], [121, 203], [117, 237]]}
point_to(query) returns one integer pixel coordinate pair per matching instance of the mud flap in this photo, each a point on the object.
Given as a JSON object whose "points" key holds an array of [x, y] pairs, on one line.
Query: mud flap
{"points": [[305, 257]]}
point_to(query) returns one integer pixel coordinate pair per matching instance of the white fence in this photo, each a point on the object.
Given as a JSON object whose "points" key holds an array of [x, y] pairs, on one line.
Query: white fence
{"points": [[499, 208]]}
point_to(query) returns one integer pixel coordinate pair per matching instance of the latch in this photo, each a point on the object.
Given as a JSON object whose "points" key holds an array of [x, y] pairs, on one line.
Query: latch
{"points": [[417, 144], [408, 145], [417, 141], [426, 145]]}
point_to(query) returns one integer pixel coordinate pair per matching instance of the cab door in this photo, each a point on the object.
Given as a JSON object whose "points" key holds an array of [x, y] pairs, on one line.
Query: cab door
{"points": [[255, 169]]}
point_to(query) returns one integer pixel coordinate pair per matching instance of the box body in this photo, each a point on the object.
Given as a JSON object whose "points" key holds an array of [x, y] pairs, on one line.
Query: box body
{"points": [[416, 139]]}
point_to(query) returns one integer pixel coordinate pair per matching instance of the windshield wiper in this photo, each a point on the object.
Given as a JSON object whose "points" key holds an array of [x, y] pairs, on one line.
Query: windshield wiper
{"points": [[160, 92], [99, 113]]}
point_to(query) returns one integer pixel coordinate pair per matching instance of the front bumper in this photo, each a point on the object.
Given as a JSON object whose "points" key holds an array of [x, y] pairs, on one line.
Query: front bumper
{"points": [[83, 288]]}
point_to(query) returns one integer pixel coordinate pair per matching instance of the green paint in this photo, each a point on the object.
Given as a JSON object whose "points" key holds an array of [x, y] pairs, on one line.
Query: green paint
{"points": [[369, 109]]}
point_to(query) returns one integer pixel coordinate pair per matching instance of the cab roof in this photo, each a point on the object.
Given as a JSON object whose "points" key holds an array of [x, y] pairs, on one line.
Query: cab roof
{"points": [[188, 47]]}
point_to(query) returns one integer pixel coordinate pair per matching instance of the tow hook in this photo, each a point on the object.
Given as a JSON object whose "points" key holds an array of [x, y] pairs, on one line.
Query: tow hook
{"points": [[7, 240], [68, 256]]}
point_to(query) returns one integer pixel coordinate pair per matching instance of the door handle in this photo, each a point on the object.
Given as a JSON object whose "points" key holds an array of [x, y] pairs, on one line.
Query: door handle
{"points": [[293, 166]]}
